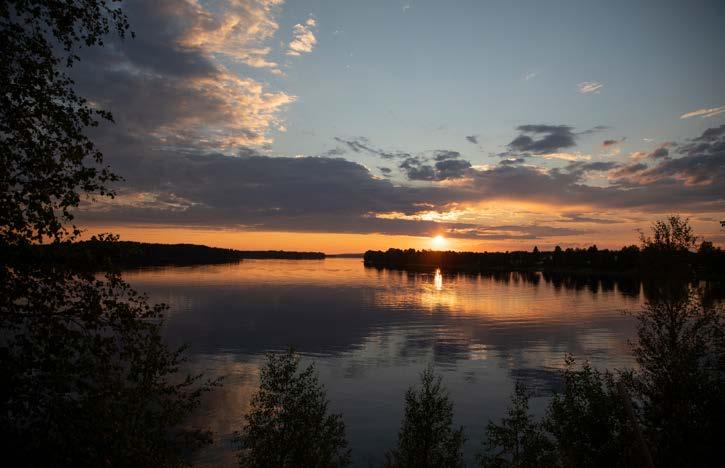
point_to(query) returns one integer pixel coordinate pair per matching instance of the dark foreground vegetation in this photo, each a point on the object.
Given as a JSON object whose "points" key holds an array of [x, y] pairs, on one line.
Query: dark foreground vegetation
{"points": [[101, 253], [672, 248], [87, 380], [667, 412]]}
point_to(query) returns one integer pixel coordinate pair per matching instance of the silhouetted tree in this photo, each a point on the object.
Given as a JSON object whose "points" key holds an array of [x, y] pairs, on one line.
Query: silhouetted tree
{"points": [[679, 383], [47, 159], [587, 420], [518, 441], [673, 234], [288, 424], [427, 438], [706, 248], [87, 380]]}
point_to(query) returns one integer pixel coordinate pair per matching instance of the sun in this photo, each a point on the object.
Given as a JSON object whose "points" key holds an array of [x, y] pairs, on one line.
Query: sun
{"points": [[439, 241]]}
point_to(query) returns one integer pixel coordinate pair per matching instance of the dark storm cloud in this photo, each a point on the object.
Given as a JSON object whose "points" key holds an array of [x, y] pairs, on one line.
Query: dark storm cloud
{"points": [[542, 139], [472, 139], [385, 170]]}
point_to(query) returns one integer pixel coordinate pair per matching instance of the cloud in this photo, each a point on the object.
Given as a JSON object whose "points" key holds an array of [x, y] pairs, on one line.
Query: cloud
{"points": [[702, 164], [237, 29], [610, 143], [472, 139], [567, 156], [303, 39], [530, 76], [703, 113], [311, 194], [169, 84], [542, 139], [662, 151], [442, 155], [627, 170], [593, 130], [712, 134], [591, 166], [447, 166], [587, 87], [362, 144]]}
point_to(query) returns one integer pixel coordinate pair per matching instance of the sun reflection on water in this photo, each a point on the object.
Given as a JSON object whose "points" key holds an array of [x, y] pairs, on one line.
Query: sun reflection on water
{"points": [[438, 280]]}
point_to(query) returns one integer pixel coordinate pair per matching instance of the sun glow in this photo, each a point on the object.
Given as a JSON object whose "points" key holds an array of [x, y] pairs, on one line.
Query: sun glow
{"points": [[439, 241]]}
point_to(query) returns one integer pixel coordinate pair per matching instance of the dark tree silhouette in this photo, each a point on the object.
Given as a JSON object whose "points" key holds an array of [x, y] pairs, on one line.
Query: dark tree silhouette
{"points": [[288, 424], [588, 421], [671, 235], [678, 395], [48, 162], [427, 438], [518, 441], [87, 380], [681, 355]]}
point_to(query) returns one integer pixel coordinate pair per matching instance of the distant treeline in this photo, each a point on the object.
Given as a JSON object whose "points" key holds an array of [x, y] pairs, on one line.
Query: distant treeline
{"points": [[101, 255], [707, 262]]}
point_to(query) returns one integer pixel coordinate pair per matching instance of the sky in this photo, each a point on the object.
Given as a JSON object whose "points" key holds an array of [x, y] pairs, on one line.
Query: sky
{"points": [[341, 126]]}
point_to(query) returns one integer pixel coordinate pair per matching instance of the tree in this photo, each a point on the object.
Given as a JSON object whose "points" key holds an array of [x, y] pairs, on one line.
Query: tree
{"points": [[427, 438], [88, 380], [706, 248], [681, 355], [673, 235], [588, 421], [518, 441], [288, 424], [48, 162]]}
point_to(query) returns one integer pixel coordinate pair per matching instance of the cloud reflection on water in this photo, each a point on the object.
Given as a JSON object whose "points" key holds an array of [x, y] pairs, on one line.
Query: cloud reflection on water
{"points": [[371, 331]]}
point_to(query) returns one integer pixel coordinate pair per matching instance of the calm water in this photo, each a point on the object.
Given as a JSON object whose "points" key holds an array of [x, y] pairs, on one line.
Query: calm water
{"points": [[371, 332]]}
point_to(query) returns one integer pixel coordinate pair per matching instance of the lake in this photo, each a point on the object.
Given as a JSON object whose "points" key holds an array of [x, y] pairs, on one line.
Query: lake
{"points": [[371, 332]]}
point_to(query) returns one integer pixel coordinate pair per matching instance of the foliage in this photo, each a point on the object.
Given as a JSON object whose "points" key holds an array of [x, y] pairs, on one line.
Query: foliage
{"points": [[673, 234], [288, 424], [47, 160], [426, 437], [88, 380], [588, 420], [681, 356], [518, 441]]}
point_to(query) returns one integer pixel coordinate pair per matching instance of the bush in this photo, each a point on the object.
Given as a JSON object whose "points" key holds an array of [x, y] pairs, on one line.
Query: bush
{"points": [[427, 438], [288, 424]]}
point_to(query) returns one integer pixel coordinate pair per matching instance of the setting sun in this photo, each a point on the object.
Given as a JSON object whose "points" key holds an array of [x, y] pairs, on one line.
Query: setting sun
{"points": [[439, 241]]}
